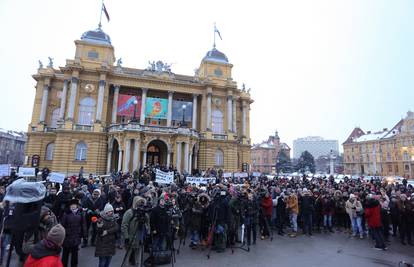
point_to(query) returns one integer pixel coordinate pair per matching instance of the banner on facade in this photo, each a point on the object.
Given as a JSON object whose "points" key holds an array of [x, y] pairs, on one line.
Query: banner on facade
{"points": [[178, 110], [227, 175], [156, 108], [5, 170], [200, 180], [27, 172], [56, 177], [126, 106], [164, 177], [241, 174]]}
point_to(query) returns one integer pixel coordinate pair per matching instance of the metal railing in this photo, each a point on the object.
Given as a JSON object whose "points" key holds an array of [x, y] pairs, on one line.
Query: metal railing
{"points": [[85, 128], [152, 129]]}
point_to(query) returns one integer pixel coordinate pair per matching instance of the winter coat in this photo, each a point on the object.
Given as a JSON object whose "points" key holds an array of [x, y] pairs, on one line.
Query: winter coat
{"points": [[328, 206], [75, 226], [159, 220], [43, 256], [307, 205], [119, 210], [353, 207], [195, 216], [105, 245], [266, 205], [132, 222], [292, 204], [61, 203], [281, 207], [373, 213], [93, 206]]}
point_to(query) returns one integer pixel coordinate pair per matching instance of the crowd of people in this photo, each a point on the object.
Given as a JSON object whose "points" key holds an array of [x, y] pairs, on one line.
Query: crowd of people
{"points": [[132, 214]]}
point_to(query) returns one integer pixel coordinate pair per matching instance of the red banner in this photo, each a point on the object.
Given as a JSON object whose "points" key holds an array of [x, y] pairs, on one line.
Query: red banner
{"points": [[126, 105]]}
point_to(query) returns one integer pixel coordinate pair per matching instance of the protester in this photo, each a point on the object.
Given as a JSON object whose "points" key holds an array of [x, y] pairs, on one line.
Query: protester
{"points": [[107, 229], [47, 251]]}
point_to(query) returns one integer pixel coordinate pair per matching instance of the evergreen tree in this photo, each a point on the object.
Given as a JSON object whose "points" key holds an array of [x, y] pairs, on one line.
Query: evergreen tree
{"points": [[283, 163], [306, 162]]}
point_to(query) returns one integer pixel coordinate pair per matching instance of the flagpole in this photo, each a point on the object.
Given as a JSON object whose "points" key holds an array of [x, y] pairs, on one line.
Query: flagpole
{"points": [[214, 42], [100, 18]]}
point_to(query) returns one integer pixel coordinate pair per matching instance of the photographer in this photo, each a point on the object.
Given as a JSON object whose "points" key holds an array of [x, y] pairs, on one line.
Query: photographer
{"points": [[134, 227], [160, 225]]}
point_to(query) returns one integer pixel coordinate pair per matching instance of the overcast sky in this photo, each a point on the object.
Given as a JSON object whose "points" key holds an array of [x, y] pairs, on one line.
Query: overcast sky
{"points": [[315, 67]]}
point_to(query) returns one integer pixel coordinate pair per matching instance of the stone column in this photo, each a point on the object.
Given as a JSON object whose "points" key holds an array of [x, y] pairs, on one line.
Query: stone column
{"points": [[208, 111], [63, 100], [186, 156], [144, 158], [127, 154], [99, 106], [143, 100], [119, 160], [168, 158], [108, 161], [190, 164], [170, 101], [229, 113], [244, 117], [234, 117], [72, 98], [178, 163], [135, 164], [115, 104], [43, 108], [194, 118]]}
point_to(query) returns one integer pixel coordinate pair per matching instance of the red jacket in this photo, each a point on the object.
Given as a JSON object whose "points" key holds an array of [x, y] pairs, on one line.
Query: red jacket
{"points": [[49, 261], [373, 213], [267, 206]]}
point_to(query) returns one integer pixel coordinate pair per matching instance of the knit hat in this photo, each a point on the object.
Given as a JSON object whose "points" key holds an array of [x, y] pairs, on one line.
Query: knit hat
{"points": [[97, 190], [351, 196], [56, 235], [108, 208]]}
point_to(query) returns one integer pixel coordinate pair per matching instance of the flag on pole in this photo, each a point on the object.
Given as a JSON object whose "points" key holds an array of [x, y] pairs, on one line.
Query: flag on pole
{"points": [[217, 31], [106, 12]]}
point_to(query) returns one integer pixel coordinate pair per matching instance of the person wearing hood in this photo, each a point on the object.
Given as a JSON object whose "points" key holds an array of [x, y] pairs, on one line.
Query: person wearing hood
{"points": [[62, 201], [135, 224], [46, 252], [107, 229], [160, 225], [75, 224], [373, 217]]}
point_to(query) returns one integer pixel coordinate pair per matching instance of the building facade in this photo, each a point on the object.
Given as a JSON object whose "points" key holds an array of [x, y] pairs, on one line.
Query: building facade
{"points": [[386, 152], [264, 155], [12, 146], [315, 145], [94, 112]]}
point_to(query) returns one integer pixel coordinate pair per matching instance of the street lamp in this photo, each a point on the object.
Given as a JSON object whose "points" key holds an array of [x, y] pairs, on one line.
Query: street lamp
{"points": [[135, 110], [183, 122], [7, 156]]}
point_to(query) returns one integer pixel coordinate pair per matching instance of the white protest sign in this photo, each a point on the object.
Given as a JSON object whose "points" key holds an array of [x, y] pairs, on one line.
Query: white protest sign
{"points": [[56, 177], [227, 175], [200, 180], [5, 169], [27, 172], [256, 174], [164, 177], [241, 174]]}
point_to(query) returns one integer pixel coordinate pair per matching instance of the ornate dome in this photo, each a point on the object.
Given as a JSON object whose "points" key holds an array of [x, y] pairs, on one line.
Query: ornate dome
{"points": [[217, 56], [96, 36]]}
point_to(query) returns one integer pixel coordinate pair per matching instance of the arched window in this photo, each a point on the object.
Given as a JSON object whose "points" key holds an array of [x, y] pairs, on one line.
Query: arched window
{"points": [[219, 157], [86, 111], [217, 122], [55, 117], [49, 151], [81, 151]]}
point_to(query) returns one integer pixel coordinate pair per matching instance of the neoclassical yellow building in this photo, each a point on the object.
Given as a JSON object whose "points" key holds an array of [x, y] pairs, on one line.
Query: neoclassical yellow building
{"points": [[96, 113]]}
